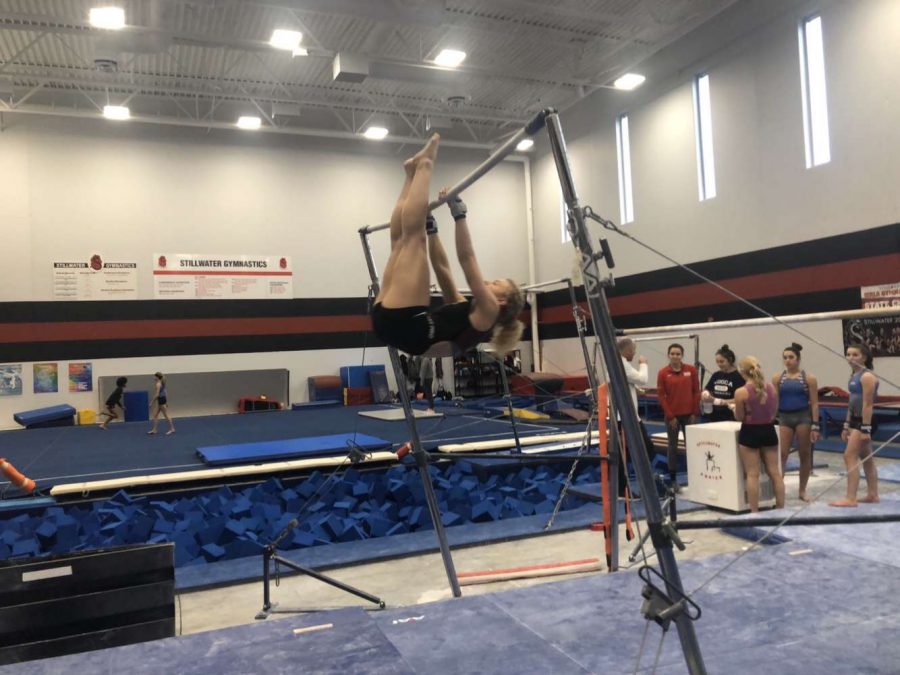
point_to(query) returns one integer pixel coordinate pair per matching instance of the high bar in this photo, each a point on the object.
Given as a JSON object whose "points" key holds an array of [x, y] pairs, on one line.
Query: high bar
{"points": [[768, 321], [497, 156]]}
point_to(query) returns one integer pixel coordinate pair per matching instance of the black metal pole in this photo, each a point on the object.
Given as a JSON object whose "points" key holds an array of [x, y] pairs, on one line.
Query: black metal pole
{"points": [[418, 453], [267, 600], [507, 394], [603, 326]]}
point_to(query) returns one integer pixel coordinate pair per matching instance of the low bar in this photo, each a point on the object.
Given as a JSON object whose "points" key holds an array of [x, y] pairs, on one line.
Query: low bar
{"points": [[768, 321], [773, 521]]}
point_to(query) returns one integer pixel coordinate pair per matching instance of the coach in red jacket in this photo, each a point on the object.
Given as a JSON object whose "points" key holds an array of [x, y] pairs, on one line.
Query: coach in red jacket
{"points": [[678, 389]]}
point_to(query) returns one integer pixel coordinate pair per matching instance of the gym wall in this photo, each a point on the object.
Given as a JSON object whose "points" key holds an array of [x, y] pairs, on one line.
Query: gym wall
{"points": [[816, 235]]}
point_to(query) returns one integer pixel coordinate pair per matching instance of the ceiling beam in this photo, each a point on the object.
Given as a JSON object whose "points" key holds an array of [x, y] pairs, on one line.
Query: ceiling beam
{"points": [[201, 124]]}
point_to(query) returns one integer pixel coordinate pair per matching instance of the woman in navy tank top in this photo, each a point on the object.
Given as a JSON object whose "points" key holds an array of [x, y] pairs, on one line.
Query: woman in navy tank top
{"points": [[798, 413], [161, 399], [857, 431]]}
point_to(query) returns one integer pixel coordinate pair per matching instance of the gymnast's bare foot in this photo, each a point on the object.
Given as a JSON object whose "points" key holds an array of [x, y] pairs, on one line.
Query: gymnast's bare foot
{"points": [[844, 503], [170, 431], [870, 499], [804, 497], [428, 151], [151, 433]]}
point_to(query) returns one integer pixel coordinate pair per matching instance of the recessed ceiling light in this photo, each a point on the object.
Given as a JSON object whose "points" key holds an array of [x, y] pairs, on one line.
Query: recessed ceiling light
{"points": [[525, 144], [249, 122], [629, 81], [285, 39], [111, 18], [116, 112], [375, 133], [450, 58]]}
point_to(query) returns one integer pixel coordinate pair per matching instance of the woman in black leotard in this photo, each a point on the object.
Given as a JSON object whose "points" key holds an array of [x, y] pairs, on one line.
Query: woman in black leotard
{"points": [[402, 316]]}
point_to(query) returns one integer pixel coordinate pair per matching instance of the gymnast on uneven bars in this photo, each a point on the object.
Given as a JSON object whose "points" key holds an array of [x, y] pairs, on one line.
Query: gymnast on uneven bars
{"points": [[401, 315]]}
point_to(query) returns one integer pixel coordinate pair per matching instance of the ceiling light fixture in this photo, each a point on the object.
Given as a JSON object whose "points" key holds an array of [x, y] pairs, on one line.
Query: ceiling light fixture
{"points": [[629, 81], [286, 39], [450, 58], [249, 122], [376, 133], [111, 18], [299, 51], [116, 112], [524, 145]]}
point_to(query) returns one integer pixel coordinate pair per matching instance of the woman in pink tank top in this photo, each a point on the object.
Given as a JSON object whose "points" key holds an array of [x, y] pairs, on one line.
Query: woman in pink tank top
{"points": [[755, 406]]}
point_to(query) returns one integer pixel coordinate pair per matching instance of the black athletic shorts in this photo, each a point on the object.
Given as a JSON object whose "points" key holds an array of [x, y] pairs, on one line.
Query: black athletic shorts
{"points": [[758, 436], [162, 400], [414, 329]]}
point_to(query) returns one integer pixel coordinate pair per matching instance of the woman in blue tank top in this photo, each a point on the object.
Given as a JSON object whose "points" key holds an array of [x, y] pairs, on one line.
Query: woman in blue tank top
{"points": [[857, 431], [798, 413], [161, 399]]}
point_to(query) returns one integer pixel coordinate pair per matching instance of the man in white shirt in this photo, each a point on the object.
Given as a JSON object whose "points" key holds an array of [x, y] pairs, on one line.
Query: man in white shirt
{"points": [[636, 376]]}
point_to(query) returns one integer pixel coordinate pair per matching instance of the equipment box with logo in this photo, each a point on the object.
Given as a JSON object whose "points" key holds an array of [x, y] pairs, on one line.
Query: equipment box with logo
{"points": [[715, 474]]}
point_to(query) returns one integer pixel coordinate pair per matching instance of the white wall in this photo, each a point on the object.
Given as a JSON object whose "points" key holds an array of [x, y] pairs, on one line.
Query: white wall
{"points": [[74, 188], [766, 197]]}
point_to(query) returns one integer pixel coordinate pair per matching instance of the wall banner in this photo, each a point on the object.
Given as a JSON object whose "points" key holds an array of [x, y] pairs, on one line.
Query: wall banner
{"points": [[182, 276], [95, 279], [885, 295]]}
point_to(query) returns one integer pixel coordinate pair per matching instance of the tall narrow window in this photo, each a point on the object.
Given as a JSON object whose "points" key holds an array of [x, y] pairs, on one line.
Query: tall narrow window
{"points": [[623, 150], [563, 218], [815, 100], [706, 165]]}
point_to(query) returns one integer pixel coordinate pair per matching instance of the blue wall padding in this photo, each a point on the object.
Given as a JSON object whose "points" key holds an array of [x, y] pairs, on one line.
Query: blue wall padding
{"points": [[137, 406], [357, 376], [29, 418], [292, 448], [227, 523]]}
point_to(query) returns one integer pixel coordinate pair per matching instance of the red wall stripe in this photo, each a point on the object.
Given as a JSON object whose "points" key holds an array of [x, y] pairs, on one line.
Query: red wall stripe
{"points": [[833, 276], [63, 331]]}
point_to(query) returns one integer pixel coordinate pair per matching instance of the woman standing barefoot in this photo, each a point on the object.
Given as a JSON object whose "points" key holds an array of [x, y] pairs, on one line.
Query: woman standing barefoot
{"points": [[857, 431]]}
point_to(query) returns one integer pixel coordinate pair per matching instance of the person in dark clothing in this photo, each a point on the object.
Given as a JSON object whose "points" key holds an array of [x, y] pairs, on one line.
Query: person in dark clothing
{"points": [[401, 315], [115, 399], [721, 387]]}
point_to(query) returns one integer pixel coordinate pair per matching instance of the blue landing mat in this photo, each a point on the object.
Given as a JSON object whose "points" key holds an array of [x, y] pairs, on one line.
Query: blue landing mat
{"points": [[75, 454], [353, 645], [290, 448], [430, 638], [769, 601], [874, 542], [888, 472], [776, 610]]}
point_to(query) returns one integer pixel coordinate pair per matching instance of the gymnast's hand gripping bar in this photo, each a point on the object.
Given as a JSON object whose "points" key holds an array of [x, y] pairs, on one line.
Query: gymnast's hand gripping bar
{"points": [[493, 160]]}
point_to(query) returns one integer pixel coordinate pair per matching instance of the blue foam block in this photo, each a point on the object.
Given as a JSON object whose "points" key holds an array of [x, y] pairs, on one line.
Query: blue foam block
{"points": [[137, 406], [54, 413], [293, 448], [357, 376]]}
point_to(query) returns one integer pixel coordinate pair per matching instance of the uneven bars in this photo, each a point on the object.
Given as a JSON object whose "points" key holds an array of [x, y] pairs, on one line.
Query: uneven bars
{"points": [[766, 321], [493, 159], [534, 287]]}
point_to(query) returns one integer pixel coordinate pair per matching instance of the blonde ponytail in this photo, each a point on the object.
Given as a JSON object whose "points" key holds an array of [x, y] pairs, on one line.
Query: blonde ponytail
{"points": [[750, 367], [508, 329]]}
